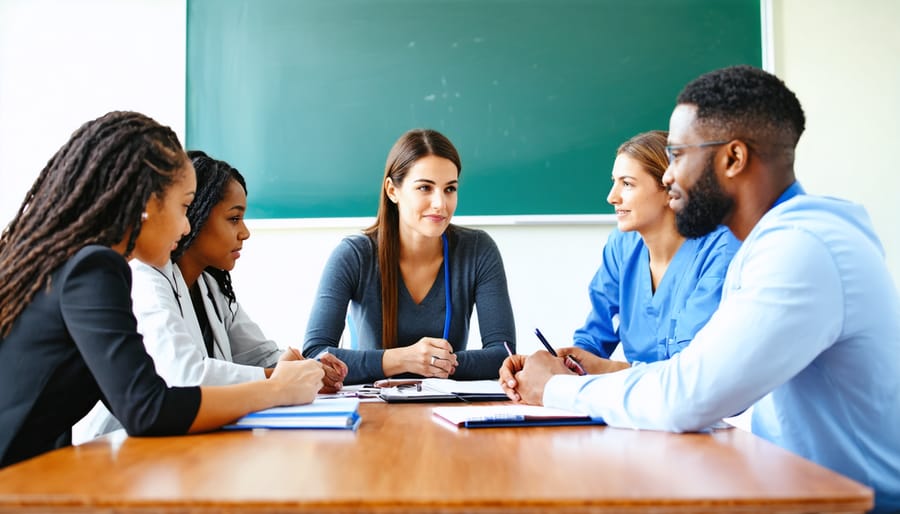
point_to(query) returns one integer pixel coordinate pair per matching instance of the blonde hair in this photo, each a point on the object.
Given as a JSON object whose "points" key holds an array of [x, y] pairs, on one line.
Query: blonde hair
{"points": [[649, 150]]}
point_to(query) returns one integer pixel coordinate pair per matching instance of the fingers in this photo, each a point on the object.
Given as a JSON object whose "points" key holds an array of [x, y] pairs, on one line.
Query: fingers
{"points": [[511, 365], [335, 372], [291, 354], [574, 365], [336, 363], [436, 357], [576, 359], [316, 372], [330, 389], [332, 380], [440, 366], [569, 350], [298, 380], [536, 371]]}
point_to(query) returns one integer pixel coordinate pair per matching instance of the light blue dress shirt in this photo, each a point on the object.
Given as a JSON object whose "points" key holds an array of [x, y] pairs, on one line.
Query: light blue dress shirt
{"points": [[808, 330], [654, 326]]}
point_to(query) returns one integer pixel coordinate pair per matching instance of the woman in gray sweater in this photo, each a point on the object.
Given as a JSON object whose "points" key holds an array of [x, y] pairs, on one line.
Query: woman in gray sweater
{"points": [[412, 279]]}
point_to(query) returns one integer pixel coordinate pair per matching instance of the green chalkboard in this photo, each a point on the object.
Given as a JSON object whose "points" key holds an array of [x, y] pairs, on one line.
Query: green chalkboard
{"points": [[306, 97]]}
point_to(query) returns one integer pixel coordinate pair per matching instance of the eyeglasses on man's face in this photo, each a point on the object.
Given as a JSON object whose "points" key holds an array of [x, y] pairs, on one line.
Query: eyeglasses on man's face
{"points": [[671, 149]]}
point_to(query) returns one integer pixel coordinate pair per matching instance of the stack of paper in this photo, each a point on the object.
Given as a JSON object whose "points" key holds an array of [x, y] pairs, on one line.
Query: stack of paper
{"points": [[445, 389], [511, 416], [340, 413]]}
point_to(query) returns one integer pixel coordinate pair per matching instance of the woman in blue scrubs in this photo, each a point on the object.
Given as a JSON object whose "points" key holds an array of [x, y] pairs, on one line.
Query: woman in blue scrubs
{"points": [[655, 289]]}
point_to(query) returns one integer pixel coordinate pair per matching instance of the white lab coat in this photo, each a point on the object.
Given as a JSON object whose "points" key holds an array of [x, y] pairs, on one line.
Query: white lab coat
{"points": [[172, 336]]}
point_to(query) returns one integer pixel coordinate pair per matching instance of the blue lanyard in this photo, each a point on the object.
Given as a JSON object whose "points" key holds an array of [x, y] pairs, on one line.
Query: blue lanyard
{"points": [[449, 309]]}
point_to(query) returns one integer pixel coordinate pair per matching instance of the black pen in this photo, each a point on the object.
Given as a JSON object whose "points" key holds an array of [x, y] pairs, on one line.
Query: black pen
{"points": [[571, 362], [549, 348]]}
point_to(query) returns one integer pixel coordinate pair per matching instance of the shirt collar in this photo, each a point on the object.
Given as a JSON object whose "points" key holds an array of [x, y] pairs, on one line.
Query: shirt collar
{"points": [[792, 191]]}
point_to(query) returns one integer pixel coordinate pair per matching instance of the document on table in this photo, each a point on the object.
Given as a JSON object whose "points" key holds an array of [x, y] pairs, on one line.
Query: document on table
{"points": [[445, 389], [483, 416], [337, 413]]}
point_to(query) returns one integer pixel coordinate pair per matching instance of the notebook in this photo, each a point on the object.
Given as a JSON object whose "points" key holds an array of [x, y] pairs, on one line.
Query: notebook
{"points": [[445, 390], [337, 413], [484, 416]]}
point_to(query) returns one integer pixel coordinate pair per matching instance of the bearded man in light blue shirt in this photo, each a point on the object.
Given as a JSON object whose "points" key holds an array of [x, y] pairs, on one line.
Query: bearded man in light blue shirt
{"points": [[808, 329]]}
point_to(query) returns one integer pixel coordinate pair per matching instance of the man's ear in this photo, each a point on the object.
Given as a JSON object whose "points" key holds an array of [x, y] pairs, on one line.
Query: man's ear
{"points": [[737, 155]]}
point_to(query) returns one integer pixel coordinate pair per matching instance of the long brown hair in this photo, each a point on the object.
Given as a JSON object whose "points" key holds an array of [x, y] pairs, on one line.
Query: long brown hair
{"points": [[649, 150], [385, 232], [92, 191]]}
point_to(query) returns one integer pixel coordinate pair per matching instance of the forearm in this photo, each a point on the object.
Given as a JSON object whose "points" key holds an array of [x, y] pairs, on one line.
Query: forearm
{"points": [[293, 382], [480, 364], [220, 405]]}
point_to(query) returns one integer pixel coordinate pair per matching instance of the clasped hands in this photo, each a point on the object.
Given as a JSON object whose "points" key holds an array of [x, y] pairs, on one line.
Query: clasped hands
{"points": [[523, 378], [431, 357], [334, 368], [428, 357]]}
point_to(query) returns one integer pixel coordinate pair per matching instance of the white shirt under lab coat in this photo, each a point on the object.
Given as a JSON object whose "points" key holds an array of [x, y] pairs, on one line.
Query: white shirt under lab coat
{"points": [[172, 336]]}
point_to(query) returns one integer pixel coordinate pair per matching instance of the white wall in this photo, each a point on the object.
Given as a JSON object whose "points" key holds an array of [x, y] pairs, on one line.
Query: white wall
{"points": [[62, 63], [842, 59]]}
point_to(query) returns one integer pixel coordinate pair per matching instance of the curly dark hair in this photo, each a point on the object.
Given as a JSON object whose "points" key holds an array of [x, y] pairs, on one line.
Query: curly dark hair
{"points": [[746, 101], [92, 191], [212, 179]]}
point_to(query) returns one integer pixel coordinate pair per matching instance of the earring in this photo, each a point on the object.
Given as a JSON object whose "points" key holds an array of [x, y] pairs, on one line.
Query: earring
{"points": [[144, 216]]}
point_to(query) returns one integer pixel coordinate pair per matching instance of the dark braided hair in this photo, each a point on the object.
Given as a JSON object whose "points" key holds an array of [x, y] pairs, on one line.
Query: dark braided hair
{"points": [[92, 191], [746, 101], [212, 180]]}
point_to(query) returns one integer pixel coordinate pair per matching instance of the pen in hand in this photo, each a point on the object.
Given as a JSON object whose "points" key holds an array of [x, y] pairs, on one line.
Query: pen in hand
{"points": [[544, 342], [571, 362]]}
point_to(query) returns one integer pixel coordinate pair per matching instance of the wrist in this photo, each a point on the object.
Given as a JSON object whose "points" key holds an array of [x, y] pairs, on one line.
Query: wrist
{"points": [[613, 366], [392, 361]]}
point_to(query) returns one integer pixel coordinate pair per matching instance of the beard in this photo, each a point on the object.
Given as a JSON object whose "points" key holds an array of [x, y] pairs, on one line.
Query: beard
{"points": [[706, 206]]}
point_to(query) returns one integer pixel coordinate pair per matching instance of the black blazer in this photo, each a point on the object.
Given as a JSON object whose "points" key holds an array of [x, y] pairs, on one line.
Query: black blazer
{"points": [[73, 345]]}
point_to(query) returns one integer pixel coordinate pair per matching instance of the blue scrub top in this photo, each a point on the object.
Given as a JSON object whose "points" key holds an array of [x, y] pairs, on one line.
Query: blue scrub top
{"points": [[654, 326]]}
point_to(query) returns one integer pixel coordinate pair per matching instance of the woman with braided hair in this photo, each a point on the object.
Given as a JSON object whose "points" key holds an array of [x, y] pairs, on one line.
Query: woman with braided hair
{"points": [[118, 189], [191, 321]]}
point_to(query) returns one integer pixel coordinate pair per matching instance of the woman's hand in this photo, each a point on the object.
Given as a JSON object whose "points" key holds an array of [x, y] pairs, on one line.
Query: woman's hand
{"points": [[335, 369], [429, 357], [296, 381], [335, 372], [592, 364]]}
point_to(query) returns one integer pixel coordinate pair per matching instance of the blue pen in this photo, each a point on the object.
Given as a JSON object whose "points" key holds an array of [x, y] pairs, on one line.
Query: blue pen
{"points": [[549, 348], [571, 362]]}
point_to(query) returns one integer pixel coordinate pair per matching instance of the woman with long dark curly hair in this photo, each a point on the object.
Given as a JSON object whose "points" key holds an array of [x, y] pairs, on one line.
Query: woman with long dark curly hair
{"points": [[118, 189]]}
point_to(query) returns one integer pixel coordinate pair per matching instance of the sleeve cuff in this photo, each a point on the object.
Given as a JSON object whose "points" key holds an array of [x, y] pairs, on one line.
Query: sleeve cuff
{"points": [[561, 391]]}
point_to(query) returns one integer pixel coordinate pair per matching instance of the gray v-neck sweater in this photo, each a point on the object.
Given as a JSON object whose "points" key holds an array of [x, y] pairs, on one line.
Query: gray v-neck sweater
{"points": [[351, 277]]}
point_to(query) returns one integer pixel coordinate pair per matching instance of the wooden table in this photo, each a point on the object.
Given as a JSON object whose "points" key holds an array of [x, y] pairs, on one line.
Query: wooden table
{"points": [[402, 460]]}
